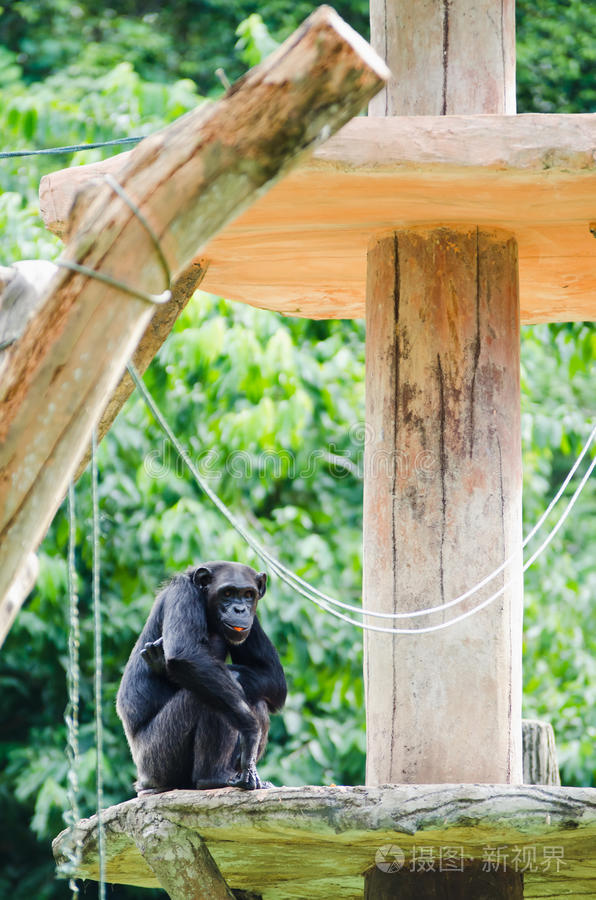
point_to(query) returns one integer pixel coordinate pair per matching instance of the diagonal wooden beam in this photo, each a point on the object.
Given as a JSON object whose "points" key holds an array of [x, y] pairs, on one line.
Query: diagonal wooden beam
{"points": [[183, 287], [188, 181]]}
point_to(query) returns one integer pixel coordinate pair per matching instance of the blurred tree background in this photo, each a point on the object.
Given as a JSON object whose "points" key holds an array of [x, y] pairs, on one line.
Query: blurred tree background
{"points": [[272, 409]]}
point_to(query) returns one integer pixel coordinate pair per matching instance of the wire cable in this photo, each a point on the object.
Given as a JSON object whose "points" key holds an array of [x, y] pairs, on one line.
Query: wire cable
{"points": [[73, 148], [323, 600], [158, 299], [297, 583]]}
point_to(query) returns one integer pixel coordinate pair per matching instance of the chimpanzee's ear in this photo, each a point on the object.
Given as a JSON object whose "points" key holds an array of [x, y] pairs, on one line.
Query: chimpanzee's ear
{"points": [[262, 583], [202, 576]]}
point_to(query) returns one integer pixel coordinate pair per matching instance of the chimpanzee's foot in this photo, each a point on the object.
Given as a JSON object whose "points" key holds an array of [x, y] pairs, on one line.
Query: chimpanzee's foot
{"points": [[248, 779], [145, 789]]}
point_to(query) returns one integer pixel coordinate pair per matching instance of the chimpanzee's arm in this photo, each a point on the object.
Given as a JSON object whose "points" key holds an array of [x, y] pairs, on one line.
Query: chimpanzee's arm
{"points": [[260, 672], [190, 664]]}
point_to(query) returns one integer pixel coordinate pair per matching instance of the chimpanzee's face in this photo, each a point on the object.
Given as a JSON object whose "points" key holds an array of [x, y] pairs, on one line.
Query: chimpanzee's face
{"points": [[232, 592]]}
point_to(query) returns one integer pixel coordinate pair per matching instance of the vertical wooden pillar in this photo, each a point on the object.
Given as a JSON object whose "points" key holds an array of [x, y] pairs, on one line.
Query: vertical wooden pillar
{"points": [[442, 496], [442, 504], [447, 57]]}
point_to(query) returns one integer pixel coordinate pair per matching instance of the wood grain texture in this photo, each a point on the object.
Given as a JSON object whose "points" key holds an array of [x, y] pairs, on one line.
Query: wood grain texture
{"points": [[22, 585], [301, 249], [315, 842], [442, 505], [446, 56], [188, 180], [155, 334]]}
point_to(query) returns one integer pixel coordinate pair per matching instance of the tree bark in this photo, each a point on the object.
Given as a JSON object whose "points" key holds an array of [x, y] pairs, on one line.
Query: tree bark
{"points": [[188, 181], [181, 861]]}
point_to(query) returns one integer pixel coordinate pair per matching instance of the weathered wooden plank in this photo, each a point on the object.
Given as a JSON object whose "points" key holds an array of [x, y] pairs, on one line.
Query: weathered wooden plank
{"points": [[188, 181], [534, 175], [317, 841], [532, 151]]}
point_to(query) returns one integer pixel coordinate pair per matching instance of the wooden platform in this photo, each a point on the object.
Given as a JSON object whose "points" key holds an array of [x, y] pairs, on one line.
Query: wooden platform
{"points": [[315, 842], [301, 249]]}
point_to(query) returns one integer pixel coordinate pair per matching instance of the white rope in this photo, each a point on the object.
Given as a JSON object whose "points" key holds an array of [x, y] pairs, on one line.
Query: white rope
{"points": [[327, 603]]}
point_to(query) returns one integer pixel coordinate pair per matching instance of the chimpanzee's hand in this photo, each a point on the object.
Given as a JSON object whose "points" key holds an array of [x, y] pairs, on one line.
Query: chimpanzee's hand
{"points": [[154, 656], [248, 779]]}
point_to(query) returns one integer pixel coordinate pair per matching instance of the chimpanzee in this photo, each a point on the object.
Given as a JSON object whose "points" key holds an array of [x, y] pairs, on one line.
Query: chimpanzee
{"points": [[191, 720]]}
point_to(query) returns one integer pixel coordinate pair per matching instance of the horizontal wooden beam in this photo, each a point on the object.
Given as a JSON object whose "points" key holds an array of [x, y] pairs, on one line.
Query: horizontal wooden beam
{"points": [[301, 249], [188, 181], [331, 835]]}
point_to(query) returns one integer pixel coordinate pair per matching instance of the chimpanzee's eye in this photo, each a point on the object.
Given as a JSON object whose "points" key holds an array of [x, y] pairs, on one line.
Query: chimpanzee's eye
{"points": [[249, 595], [227, 592]]}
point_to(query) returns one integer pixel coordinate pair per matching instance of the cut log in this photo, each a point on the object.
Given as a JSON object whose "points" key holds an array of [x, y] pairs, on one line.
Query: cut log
{"points": [[188, 181], [442, 505], [21, 291]]}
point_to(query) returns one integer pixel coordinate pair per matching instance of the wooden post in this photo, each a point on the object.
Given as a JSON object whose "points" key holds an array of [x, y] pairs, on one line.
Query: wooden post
{"points": [[447, 57], [446, 886], [539, 753], [442, 505]]}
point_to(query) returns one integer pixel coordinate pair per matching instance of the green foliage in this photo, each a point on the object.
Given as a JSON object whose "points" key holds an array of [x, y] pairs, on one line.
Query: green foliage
{"points": [[556, 56], [270, 408]]}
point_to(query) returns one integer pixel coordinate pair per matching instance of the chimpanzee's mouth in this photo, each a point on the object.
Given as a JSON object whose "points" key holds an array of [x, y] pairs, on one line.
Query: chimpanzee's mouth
{"points": [[237, 632]]}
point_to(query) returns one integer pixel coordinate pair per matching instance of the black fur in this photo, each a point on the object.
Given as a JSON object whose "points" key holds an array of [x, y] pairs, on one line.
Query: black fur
{"points": [[191, 720]]}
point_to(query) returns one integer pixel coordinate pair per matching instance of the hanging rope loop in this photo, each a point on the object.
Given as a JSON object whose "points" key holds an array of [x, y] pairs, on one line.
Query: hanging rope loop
{"points": [[157, 299]]}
